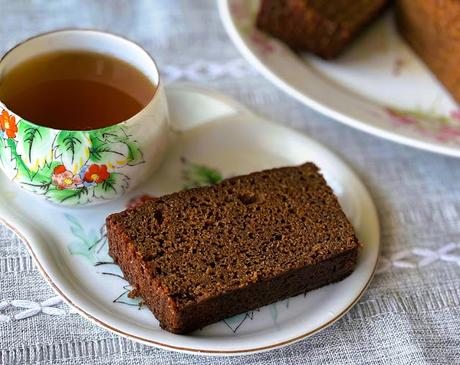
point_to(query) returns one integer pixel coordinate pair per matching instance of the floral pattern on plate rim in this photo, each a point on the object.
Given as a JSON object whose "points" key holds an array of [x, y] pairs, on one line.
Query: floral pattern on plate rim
{"points": [[441, 127], [67, 167], [246, 14]]}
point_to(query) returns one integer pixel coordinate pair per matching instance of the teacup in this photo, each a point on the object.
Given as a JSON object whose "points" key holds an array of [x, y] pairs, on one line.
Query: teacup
{"points": [[69, 167]]}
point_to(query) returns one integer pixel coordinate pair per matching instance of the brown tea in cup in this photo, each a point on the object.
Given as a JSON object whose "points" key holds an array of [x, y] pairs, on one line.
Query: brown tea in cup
{"points": [[75, 90]]}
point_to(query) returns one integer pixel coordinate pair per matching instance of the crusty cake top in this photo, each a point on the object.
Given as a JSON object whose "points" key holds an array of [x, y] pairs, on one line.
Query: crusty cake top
{"points": [[207, 241]]}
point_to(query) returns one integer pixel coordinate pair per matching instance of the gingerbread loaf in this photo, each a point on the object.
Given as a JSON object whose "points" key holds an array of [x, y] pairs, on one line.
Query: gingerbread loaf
{"points": [[324, 27], [204, 254], [432, 29]]}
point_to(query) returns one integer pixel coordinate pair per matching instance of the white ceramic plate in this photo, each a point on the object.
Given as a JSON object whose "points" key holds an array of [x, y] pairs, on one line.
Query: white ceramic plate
{"points": [[378, 85], [70, 249]]}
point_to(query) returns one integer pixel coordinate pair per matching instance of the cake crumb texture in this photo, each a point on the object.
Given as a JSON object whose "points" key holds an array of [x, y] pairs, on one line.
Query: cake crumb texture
{"points": [[204, 254], [324, 27]]}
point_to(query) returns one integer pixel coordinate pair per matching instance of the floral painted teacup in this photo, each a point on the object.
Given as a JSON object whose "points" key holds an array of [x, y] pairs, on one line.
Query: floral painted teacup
{"points": [[69, 167]]}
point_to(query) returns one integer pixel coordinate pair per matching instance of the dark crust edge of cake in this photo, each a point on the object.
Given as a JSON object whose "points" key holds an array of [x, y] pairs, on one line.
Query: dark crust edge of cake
{"points": [[332, 45], [184, 318]]}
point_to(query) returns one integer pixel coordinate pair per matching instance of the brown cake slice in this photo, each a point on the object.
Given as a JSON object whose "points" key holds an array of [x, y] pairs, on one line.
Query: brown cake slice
{"points": [[201, 255], [432, 29], [324, 27]]}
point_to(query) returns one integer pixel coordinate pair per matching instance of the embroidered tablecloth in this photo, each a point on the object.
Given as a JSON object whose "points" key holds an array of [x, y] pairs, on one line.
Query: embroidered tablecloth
{"points": [[411, 312]]}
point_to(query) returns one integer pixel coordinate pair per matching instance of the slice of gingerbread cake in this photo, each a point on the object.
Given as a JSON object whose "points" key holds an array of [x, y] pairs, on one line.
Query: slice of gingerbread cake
{"points": [[204, 254], [432, 29], [324, 27]]}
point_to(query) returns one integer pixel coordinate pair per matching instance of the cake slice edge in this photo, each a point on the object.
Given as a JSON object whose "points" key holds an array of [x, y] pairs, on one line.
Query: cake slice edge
{"points": [[177, 318]]}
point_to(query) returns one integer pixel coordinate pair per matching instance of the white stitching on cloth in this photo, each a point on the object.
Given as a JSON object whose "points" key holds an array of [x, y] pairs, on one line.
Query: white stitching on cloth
{"points": [[57, 351], [203, 70], [16, 264], [419, 257], [31, 308]]}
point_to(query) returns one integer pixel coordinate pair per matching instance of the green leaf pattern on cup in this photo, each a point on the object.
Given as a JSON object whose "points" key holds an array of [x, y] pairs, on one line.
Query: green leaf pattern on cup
{"points": [[67, 167], [72, 148], [34, 150], [6, 157]]}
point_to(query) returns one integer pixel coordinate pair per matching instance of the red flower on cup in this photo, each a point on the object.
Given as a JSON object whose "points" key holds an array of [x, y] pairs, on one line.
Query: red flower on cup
{"points": [[8, 124], [64, 179], [96, 173]]}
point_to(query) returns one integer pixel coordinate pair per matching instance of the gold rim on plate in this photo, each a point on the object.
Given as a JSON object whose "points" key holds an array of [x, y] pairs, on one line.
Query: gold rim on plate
{"points": [[171, 347]]}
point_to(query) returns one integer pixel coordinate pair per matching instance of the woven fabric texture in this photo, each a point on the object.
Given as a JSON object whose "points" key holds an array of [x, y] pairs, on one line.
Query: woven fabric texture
{"points": [[411, 312]]}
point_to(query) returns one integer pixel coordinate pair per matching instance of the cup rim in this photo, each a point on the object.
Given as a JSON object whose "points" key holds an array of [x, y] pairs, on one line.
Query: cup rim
{"points": [[85, 30]]}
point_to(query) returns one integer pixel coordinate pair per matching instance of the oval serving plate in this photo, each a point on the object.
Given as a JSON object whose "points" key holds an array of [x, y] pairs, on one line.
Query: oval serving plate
{"points": [[378, 85], [217, 139]]}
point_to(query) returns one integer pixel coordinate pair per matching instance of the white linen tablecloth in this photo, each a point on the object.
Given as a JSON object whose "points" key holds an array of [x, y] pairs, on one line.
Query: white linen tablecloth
{"points": [[411, 312]]}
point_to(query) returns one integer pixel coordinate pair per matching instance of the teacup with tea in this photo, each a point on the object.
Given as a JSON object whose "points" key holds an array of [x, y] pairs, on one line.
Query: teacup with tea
{"points": [[83, 116]]}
